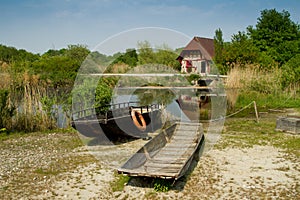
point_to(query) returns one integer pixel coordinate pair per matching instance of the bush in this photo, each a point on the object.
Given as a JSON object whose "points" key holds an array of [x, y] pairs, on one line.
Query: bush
{"points": [[6, 112], [291, 72]]}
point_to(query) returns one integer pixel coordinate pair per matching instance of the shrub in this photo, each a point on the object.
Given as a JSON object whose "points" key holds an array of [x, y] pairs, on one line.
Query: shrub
{"points": [[6, 111]]}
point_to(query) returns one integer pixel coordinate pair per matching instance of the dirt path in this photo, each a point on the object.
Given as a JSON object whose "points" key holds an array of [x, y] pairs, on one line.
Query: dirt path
{"points": [[55, 166], [219, 174]]}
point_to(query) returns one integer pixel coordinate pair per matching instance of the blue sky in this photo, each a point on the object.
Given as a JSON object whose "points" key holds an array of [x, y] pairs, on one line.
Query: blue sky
{"points": [[38, 26]]}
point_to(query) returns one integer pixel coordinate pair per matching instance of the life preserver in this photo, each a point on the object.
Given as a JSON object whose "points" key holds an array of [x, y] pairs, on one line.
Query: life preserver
{"points": [[140, 124]]}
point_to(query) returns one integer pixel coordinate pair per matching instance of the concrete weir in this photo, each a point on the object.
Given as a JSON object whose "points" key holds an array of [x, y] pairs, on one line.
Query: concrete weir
{"points": [[290, 124]]}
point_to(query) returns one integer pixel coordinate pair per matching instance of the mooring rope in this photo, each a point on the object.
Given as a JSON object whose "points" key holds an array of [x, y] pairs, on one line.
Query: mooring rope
{"points": [[227, 116]]}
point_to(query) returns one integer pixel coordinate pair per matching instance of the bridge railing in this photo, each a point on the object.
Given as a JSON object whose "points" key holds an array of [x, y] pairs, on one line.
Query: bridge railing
{"points": [[113, 109]]}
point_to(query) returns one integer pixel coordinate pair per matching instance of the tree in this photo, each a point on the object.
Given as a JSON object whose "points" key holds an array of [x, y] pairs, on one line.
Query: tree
{"points": [[53, 52], [168, 58], [219, 46], [146, 54], [276, 34], [163, 55], [11, 54], [130, 58], [240, 51], [77, 52]]}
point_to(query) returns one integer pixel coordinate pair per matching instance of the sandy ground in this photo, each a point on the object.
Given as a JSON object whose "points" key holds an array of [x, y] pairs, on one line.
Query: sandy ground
{"points": [[261, 172]]}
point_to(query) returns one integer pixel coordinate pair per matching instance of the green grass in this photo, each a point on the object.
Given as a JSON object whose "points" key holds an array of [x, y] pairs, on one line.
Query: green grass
{"points": [[267, 101], [15, 135], [161, 185], [245, 133], [119, 182]]}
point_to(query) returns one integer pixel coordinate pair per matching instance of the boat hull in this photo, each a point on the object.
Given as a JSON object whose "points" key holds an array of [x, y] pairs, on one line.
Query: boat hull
{"points": [[168, 155], [115, 127]]}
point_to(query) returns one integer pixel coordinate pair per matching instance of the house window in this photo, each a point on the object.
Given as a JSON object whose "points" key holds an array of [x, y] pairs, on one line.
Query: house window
{"points": [[203, 67]]}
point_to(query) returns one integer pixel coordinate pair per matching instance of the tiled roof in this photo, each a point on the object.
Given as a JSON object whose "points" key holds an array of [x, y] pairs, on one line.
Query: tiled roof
{"points": [[205, 45]]}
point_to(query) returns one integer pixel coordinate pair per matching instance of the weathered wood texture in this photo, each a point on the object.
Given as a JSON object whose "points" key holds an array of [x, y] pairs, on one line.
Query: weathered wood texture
{"points": [[168, 155], [289, 124]]}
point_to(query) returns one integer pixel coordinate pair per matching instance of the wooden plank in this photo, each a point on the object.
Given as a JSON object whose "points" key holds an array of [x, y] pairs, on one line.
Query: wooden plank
{"points": [[162, 165], [176, 146], [183, 137], [179, 141], [162, 161], [187, 128], [174, 149], [161, 170], [168, 159]]}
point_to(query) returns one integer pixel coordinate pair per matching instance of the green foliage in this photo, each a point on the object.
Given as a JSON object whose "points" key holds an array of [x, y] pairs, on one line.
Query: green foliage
{"points": [[274, 41], [11, 54], [60, 68], [247, 133], [6, 112], [77, 53], [168, 58], [147, 97], [50, 107], [164, 55], [219, 46], [146, 54], [3, 130], [119, 182], [291, 71], [103, 96], [240, 51], [91, 92], [276, 34], [266, 101], [161, 185], [193, 77], [57, 70], [53, 52], [130, 58]]}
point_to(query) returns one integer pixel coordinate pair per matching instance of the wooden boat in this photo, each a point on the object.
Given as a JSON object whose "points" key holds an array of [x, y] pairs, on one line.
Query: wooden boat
{"points": [[168, 155], [122, 119]]}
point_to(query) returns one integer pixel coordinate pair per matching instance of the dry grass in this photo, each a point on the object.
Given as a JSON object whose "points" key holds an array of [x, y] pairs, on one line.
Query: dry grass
{"points": [[119, 68], [26, 92], [5, 78], [252, 78]]}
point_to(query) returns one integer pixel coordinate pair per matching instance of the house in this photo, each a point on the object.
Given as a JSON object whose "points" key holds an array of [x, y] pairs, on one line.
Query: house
{"points": [[197, 56]]}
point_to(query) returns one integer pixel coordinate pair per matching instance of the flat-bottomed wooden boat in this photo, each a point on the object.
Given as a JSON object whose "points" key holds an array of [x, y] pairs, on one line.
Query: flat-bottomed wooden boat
{"points": [[168, 155]]}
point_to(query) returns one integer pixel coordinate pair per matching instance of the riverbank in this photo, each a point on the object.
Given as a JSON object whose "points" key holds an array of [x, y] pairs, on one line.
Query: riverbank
{"points": [[251, 161]]}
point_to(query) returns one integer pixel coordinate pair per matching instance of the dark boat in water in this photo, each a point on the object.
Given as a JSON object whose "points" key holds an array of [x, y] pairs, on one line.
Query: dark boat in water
{"points": [[123, 119]]}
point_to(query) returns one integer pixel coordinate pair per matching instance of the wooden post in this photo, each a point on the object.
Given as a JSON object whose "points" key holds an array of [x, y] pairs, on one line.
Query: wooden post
{"points": [[256, 113]]}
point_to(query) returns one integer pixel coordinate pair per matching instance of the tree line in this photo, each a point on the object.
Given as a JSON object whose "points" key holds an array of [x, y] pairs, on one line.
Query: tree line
{"points": [[274, 42], [32, 84]]}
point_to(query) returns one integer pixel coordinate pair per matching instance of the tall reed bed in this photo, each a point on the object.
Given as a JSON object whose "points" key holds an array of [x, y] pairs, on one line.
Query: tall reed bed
{"points": [[28, 97], [250, 83]]}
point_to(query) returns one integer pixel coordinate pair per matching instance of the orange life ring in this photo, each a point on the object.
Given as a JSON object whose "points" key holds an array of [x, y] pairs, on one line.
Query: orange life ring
{"points": [[140, 124]]}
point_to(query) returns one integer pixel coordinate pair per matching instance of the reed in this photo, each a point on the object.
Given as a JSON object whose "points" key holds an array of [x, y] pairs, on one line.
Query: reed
{"points": [[31, 115], [250, 83], [25, 94]]}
